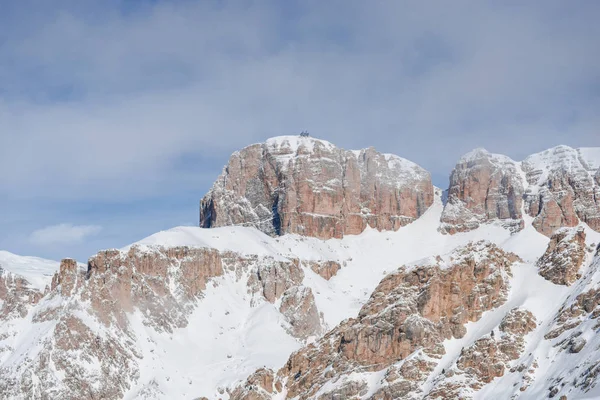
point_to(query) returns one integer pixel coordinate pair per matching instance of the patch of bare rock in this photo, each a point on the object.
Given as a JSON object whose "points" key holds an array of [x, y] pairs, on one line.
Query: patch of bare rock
{"points": [[564, 256], [557, 187], [400, 330], [310, 187]]}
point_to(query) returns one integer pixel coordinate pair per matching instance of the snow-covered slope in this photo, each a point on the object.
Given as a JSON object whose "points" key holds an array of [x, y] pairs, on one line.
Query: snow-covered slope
{"points": [[37, 271], [383, 314], [230, 331]]}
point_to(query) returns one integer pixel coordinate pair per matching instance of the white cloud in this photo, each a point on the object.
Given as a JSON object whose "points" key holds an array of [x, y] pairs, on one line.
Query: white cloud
{"points": [[114, 104], [63, 234], [186, 78], [180, 78]]}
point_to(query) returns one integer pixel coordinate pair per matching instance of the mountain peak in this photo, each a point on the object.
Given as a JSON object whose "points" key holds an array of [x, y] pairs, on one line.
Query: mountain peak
{"points": [[476, 153], [295, 141], [308, 186]]}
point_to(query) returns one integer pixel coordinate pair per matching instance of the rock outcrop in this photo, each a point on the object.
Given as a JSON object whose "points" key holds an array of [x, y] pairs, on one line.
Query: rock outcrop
{"points": [[188, 306], [66, 277], [16, 294], [310, 187], [299, 309], [326, 269], [574, 331], [88, 313], [23, 282], [563, 189], [558, 188], [488, 358], [273, 278], [259, 386], [564, 256], [483, 187], [405, 321]]}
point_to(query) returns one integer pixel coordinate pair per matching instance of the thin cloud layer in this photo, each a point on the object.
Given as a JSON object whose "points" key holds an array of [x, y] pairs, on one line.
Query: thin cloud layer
{"points": [[63, 234], [98, 100], [113, 101]]}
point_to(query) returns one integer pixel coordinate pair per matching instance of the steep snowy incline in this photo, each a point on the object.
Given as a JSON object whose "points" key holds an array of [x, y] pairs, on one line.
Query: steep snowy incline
{"points": [[511, 351], [37, 271], [561, 356], [366, 258], [192, 312]]}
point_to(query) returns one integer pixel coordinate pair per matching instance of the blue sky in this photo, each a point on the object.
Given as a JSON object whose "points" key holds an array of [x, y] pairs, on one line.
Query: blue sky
{"points": [[116, 116]]}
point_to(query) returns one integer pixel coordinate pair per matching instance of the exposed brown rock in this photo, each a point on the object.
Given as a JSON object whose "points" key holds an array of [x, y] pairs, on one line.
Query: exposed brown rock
{"points": [[272, 278], [16, 294], [488, 358], [412, 309], [327, 269], [563, 190], [564, 256], [66, 276], [404, 381], [310, 187], [574, 318], [299, 309], [141, 277], [163, 284], [259, 386], [572, 314], [484, 187]]}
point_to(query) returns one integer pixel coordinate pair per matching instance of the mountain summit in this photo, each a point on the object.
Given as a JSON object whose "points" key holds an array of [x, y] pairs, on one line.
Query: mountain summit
{"points": [[330, 274], [308, 186]]}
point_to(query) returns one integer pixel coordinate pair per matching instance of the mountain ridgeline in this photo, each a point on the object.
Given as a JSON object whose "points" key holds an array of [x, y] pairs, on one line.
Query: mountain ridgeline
{"points": [[330, 274], [310, 187]]}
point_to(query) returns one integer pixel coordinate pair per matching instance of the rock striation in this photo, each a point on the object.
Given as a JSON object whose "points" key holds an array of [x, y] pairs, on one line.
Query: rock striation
{"points": [[310, 187], [558, 188], [88, 314], [412, 310], [564, 256], [483, 187], [488, 358], [563, 189]]}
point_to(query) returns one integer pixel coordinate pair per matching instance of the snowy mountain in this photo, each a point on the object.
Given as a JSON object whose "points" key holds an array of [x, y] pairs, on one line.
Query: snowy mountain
{"points": [[309, 186], [330, 274], [36, 271]]}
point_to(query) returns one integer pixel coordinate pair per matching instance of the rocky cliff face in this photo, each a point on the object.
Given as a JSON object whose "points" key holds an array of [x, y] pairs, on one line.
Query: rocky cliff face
{"points": [[88, 346], [16, 294], [414, 309], [557, 187], [564, 256], [483, 187], [395, 348], [487, 358], [310, 187], [163, 317], [563, 189]]}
